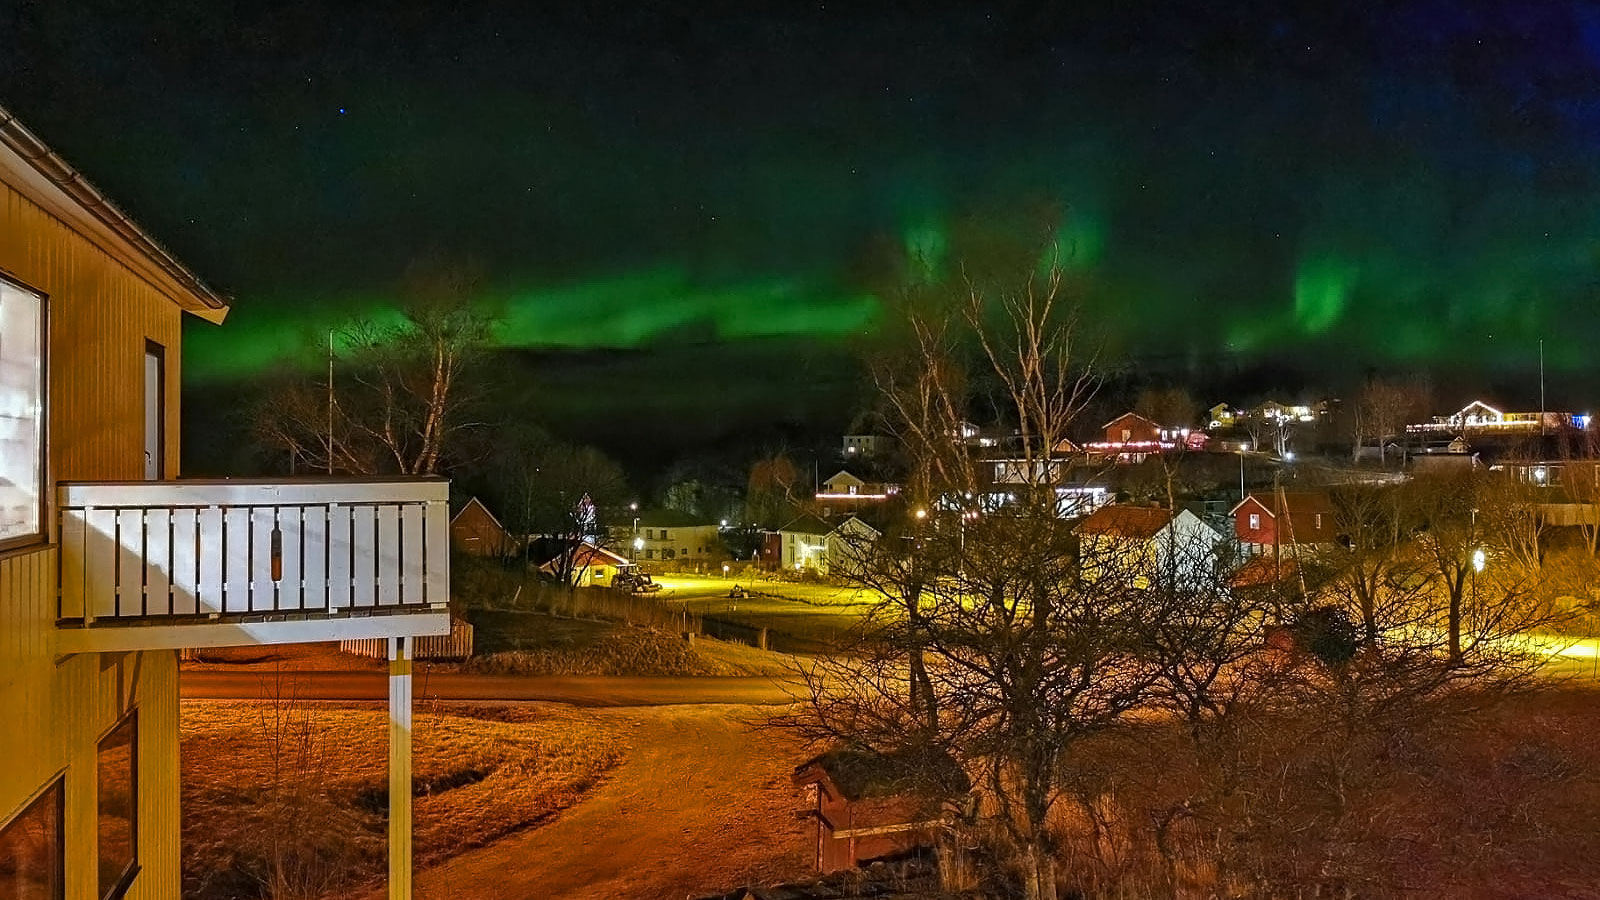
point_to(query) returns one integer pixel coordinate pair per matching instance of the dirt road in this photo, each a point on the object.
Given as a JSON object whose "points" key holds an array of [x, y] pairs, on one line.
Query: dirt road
{"points": [[578, 690], [703, 803]]}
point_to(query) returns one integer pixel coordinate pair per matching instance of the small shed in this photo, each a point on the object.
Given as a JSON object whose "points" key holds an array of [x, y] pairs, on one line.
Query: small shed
{"points": [[871, 806]]}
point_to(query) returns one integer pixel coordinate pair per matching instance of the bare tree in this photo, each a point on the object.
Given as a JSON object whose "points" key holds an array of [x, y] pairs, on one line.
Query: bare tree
{"points": [[398, 392], [986, 644], [1383, 409]]}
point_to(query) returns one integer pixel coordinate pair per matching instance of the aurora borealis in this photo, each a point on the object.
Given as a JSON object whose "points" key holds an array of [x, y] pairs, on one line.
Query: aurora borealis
{"points": [[1348, 187]]}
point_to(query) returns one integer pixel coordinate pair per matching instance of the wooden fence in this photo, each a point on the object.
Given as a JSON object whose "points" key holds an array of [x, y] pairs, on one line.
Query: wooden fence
{"points": [[455, 645]]}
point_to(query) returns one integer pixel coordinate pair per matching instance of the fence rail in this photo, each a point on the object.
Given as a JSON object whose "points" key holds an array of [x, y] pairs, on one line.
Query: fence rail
{"points": [[142, 551]]}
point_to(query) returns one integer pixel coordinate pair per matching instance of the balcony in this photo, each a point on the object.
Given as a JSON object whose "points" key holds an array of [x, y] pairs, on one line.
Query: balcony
{"points": [[165, 564]]}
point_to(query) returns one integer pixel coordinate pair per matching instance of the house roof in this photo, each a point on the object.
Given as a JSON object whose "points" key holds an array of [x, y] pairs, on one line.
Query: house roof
{"points": [[845, 473], [49, 174], [1264, 570], [670, 518], [590, 555], [808, 524], [1127, 521], [1135, 415], [1295, 503], [474, 501], [860, 522]]}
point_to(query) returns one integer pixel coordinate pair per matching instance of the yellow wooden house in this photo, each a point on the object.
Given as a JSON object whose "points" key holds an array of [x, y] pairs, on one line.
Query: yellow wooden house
{"points": [[109, 563]]}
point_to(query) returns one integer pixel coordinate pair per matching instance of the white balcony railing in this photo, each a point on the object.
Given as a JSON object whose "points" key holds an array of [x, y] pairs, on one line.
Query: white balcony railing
{"points": [[246, 550]]}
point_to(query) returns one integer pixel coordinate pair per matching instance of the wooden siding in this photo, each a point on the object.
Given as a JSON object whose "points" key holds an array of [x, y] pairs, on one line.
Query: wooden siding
{"points": [[101, 314], [56, 712]]}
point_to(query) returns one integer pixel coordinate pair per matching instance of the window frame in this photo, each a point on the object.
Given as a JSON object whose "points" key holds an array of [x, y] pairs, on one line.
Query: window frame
{"points": [[40, 535], [1255, 521], [57, 784], [159, 351], [124, 882]]}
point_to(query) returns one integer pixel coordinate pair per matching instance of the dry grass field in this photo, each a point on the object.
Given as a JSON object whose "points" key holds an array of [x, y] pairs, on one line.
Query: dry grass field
{"points": [[288, 800]]}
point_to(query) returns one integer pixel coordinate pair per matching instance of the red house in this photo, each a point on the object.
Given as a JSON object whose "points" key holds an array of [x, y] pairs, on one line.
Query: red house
{"points": [[1132, 428], [1271, 521], [1131, 437], [866, 811]]}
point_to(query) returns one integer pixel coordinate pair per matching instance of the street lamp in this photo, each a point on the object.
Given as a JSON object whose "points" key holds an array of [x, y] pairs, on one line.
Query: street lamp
{"points": [[1478, 560]]}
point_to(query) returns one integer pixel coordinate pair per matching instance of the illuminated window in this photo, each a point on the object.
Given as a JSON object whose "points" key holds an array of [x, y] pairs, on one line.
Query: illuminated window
{"points": [[1319, 521], [22, 406], [33, 848], [1255, 521], [117, 812]]}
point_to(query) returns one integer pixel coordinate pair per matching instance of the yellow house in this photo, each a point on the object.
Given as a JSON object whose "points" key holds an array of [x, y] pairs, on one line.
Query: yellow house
{"points": [[109, 564]]}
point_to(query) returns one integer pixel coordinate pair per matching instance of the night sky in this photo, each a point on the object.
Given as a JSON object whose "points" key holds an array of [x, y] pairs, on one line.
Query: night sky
{"points": [[1343, 188]]}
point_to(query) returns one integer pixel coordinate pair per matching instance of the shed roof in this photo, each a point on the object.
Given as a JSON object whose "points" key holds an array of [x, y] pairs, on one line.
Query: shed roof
{"points": [[860, 774]]}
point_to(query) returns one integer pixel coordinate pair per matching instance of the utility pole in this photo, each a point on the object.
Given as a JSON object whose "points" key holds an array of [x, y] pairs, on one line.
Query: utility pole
{"points": [[330, 401], [1542, 431]]}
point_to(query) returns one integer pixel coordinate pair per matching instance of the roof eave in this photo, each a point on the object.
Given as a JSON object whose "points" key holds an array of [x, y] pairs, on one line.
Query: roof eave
{"points": [[52, 173]]}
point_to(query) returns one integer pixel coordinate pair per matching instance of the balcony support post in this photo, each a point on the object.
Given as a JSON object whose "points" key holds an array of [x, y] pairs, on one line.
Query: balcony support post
{"points": [[400, 653]]}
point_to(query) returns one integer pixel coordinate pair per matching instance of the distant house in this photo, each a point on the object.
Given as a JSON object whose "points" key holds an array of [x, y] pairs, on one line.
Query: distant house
{"points": [[1130, 438], [1283, 521], [475, 531], [1148, 544], [809, 543], [1273, 411], [867, 807], [1480, 417], [862, 446], [845, 492], [1220, 416], [1132, 428], [675, 537]]}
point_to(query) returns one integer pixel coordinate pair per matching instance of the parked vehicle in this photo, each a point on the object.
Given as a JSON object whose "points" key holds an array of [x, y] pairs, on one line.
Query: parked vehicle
{"points": [[635, 583]]}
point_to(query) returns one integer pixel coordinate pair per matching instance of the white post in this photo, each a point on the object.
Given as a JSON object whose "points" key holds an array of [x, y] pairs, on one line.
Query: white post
{"points": [[400, 651]]}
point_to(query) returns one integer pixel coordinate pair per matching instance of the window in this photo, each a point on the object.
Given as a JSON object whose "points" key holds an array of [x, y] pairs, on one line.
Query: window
{"points": [[22, 409], [669, 553], [1255, 521], [649, 534], [664, 534], [117, 811], [1319, 521], [33, 848]]}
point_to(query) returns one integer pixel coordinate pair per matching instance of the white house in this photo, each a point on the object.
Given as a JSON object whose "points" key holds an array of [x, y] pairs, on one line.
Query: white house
{"points": [[108, 564], [1147, 544], [673, 537], [808, 543]]}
